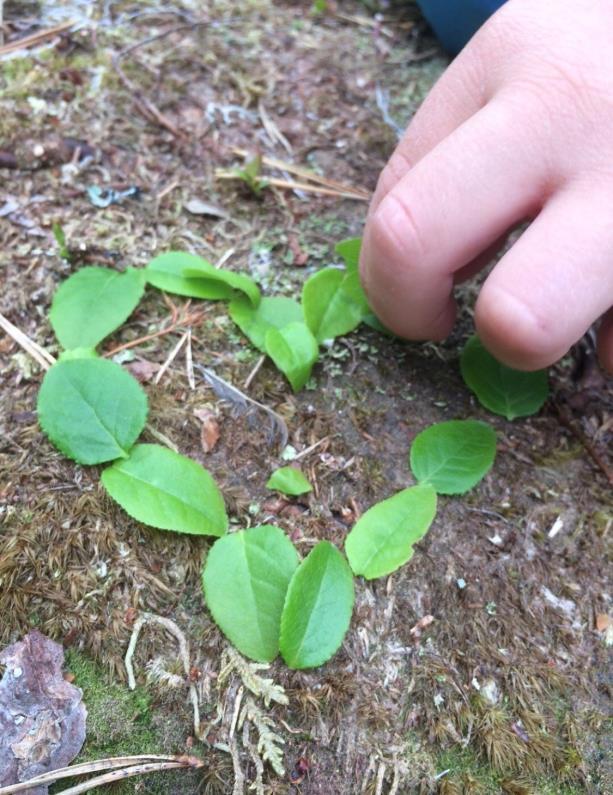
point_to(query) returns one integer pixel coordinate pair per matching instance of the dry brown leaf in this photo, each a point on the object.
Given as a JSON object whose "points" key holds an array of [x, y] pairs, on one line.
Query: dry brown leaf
{"points": [[42, 716], [209, 434], [142, 370], [602, 622]]}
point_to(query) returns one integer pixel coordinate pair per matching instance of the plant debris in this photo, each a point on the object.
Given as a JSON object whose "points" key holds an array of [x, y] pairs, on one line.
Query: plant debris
{"points": [[42, 716]]}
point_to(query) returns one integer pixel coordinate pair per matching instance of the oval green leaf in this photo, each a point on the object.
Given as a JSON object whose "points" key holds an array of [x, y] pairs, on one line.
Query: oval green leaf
{"points": [[166, 490], [289, 480], [453, 456], [254, 322], [317, 608], [237, 281], [382, 539], [331, 303], [166, 273], [245, 580], [294, 351], [92, 303], [91, 409], [349, 250], [511, 393]]}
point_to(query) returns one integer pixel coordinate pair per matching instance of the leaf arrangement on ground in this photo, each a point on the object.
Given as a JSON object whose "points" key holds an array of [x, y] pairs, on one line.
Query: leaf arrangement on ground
{"points": [[264, 599]]}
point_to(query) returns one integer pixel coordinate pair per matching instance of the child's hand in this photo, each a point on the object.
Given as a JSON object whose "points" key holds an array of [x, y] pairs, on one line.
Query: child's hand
{"points": [[519, 127]]}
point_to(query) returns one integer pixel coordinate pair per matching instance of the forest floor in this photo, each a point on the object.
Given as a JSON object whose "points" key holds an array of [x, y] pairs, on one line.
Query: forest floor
{"points": [[506, 689]]}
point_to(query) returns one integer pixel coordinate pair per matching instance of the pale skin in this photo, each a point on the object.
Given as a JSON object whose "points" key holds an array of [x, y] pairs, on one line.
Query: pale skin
{"points": [[519, 127]]}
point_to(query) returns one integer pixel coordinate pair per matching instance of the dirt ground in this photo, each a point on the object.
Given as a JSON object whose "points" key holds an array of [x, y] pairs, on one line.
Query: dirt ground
{"points": [[507, 689]]}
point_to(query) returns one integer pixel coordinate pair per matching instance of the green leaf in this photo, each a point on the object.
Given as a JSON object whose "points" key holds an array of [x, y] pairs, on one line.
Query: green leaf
{"points": [[511, 393], [245, 580], [60, 239], [237, 281], [91, 409], [254, 322], [166, 490], [78, 353], [294, 351], [289, 480], [349, 250], [166, 273], [382, 539], [453, 456], [92, 303], [317, 608], [331, 304]]}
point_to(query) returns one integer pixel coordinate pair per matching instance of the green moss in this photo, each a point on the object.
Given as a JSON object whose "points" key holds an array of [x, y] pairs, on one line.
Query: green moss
{"points": [[470, 774], [119, 722], [118, 719], [464, 766]]}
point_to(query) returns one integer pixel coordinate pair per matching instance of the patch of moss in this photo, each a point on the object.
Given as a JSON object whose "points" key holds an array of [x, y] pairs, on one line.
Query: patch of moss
{"points": [[120, 722], [469, 774], [118, 719]]}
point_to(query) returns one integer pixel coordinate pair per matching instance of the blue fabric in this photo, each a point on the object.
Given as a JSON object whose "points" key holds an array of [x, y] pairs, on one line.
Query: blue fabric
{"points": [[455, 21]]}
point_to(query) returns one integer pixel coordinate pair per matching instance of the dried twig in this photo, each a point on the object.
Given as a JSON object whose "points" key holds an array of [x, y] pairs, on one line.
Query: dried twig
{"points": [[170, 358], [169, 626], [308, 450], [273, 132], [85, 768], [254, 372], [36, 38], [347, 193], [162, 438], [128, 772], [177, 320], [189, 361], [43, 357], [305, 173]]}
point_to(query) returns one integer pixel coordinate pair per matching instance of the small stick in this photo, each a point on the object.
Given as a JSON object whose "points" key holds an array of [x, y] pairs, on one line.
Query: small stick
{"points": [[161, 437], [273, 132], [346, 193], [305, 173], [176, 320], [83, 769], [43, 357], [170, 359], [254, 372], [310, 449], [35, 38], [189, 361], [224, 258], [128, 772]]}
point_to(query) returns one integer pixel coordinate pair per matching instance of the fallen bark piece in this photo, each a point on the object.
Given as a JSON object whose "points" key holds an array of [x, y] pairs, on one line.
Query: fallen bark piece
{"points": [[42, 716]]}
